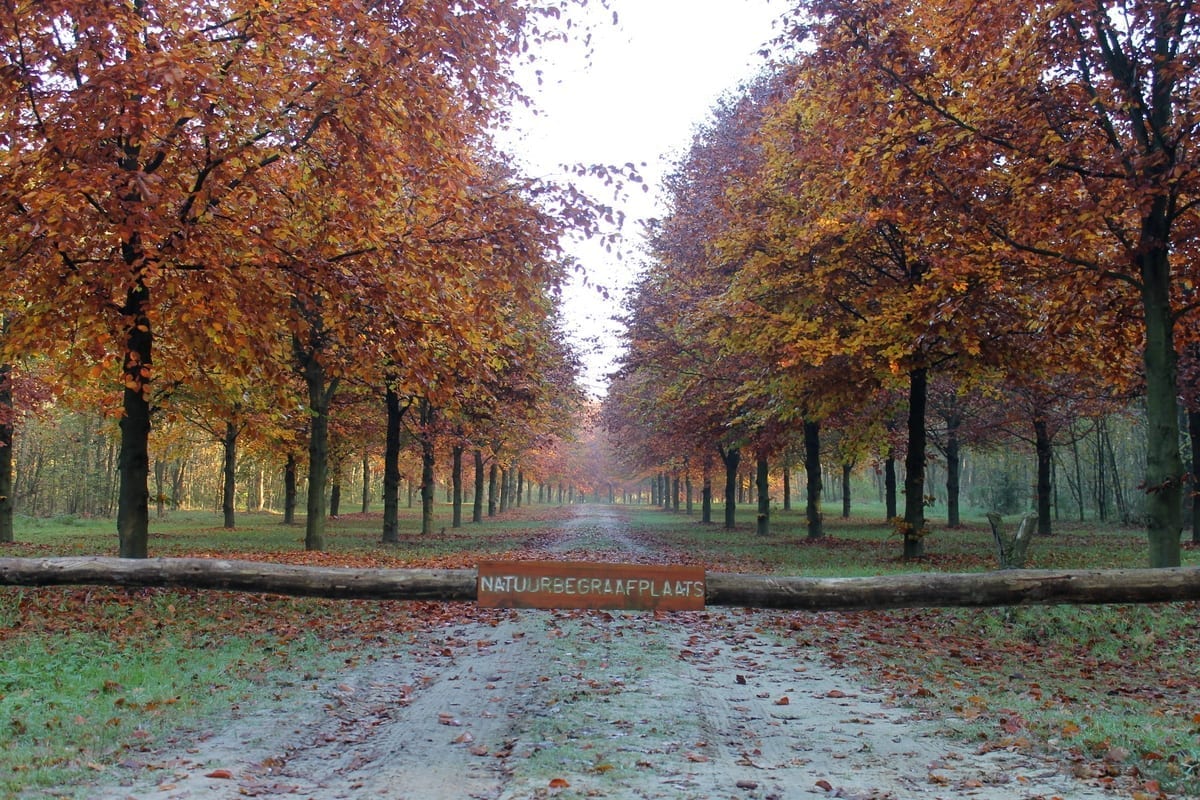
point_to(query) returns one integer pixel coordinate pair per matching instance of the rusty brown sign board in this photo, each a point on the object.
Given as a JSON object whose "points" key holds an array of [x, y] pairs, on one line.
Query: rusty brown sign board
{"points": [[556, 584]]}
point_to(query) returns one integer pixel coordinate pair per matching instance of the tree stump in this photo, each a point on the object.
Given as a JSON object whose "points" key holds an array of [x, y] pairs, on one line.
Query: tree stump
{"points": [[1011, 550]]}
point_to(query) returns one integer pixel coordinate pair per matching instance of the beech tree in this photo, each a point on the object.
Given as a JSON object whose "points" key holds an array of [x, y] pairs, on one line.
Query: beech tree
{"points": [[143, 142], [1086, 106]]}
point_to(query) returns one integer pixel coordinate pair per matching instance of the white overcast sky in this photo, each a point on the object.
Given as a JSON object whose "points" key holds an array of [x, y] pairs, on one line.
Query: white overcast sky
{"points": [[648, 82]]}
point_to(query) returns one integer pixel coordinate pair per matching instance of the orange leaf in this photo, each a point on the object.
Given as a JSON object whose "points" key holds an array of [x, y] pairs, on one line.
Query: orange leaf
{"points": [[220, 773], [559, 783], [783, 701]]}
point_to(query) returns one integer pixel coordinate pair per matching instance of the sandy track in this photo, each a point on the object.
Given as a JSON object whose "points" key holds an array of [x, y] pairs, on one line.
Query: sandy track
{"points": [[515, 705]]}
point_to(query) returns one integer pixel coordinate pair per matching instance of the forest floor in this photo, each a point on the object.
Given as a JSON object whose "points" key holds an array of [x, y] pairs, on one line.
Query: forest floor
{"points": [[508, 705]]}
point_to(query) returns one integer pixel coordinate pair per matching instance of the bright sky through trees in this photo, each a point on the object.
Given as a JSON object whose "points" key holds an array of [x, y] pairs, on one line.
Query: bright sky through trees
{"points": [[649, 80]]}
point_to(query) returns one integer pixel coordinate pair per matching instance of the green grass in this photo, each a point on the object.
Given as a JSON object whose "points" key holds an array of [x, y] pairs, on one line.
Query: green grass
{"points": [[1114, 687], [193, 532], [74, 702], [863, 545]]}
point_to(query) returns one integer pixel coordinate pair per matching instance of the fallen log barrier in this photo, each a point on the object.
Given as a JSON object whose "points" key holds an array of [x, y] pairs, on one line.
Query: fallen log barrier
{"points": [[242, 576], [1011, 587]]}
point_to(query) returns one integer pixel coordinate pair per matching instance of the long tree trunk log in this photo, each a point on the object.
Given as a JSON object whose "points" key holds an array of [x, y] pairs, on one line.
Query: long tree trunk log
{"points": [[910, 590], [245, 576], [935, 590]]}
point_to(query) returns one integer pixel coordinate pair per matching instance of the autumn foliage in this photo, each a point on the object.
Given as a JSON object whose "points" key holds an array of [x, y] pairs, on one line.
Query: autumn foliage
{"points": [[262, 203], [989, 194]]}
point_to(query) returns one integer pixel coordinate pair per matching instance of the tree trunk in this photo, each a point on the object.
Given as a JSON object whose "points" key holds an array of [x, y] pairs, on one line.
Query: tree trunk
{"points": [[133, 495], [1101, 475], [1194, 432], [762, 481], [366, 483], [1078, 488], [732, 459], [335, 497], [6, 452], [391, 467], [320, 393], [889, 484], [289, 490], [1043, 451], [846, 470], [229, 473], [687, 488], [493, 499], [914, 466], [953, 470], [160, 487], [456, 481], [477, 501], [706, 492], [504, 484], [787, 487], [1118, 491], [1164, 468], [427, 476], [813, 479]]}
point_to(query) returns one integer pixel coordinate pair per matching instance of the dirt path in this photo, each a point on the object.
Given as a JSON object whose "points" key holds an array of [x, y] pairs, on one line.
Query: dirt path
{"points": [[515, 705]]}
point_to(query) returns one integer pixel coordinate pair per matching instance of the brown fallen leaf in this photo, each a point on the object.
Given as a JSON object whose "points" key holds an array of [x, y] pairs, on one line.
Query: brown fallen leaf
{"points": [[824, 784], [559, 783], [783, 701], [478, 750], [697, 757], [463, 738], [747, 784], [224, 774]]}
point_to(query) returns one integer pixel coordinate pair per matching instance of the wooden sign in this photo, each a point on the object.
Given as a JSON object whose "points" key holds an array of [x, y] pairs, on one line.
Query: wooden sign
{"points": [[554, 584]]}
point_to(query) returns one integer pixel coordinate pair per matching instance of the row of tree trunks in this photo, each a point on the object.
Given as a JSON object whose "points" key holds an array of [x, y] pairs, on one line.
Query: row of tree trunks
{"points": [[913, 590]]}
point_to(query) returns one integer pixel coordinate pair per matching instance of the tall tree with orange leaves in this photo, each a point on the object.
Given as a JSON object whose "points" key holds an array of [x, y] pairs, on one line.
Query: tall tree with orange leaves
{"points": [[142, 142], [1080, 121]]}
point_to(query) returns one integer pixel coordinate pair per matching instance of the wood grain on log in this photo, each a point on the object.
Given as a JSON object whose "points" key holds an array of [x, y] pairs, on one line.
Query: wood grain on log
{"points": [[907, 590]]}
